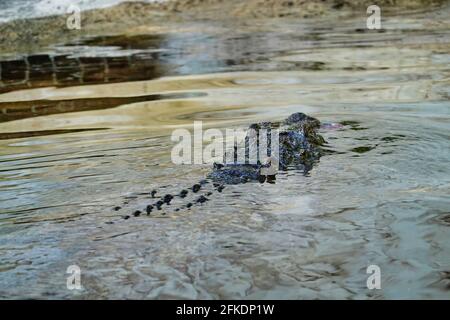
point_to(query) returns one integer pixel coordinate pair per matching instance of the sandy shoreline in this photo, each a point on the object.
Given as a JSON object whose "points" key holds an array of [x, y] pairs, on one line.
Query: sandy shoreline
{"points": [[34, 35]]}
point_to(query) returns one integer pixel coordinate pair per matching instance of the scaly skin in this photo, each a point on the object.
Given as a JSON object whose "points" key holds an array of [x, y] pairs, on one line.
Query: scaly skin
{"points": [[299, 148]]}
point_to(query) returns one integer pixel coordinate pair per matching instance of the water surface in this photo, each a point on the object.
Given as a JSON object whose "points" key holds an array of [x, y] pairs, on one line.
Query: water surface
{"points": [[86, 127]]}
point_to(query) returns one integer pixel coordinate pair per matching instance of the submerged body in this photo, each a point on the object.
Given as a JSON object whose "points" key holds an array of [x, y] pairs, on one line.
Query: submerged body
{"points": [[298, 147]]}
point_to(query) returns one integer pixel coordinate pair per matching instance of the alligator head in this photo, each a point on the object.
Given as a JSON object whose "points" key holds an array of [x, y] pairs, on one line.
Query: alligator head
{"points": [[299, 147]]}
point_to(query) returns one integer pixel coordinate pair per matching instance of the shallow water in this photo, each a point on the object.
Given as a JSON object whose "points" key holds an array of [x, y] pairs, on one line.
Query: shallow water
{"points": [[78, 141]]}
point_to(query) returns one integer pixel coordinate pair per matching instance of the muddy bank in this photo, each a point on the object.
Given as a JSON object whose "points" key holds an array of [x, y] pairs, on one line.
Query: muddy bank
{"points": [[32, 35]]}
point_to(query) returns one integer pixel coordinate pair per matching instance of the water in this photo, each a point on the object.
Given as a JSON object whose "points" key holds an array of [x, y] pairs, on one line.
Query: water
{"points": [[77, 143]]}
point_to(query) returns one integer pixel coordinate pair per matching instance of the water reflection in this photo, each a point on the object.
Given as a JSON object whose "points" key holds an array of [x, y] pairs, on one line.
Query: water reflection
{"points": [[38, 71], [23, 109]]}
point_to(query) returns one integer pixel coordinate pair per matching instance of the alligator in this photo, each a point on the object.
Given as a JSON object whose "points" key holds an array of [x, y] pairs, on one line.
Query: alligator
{"points": [[300, 146]]}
